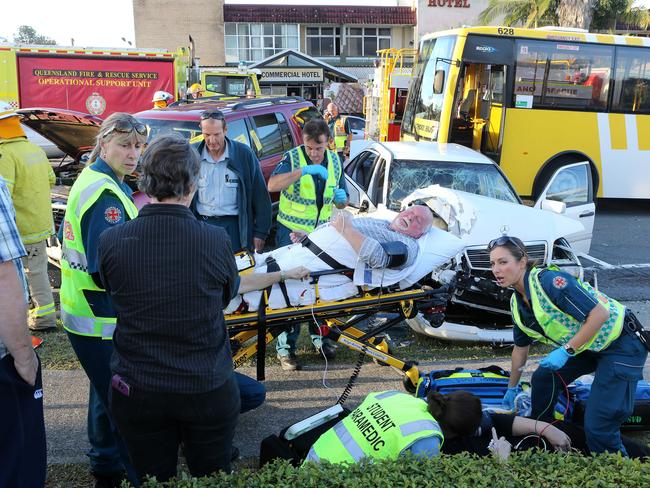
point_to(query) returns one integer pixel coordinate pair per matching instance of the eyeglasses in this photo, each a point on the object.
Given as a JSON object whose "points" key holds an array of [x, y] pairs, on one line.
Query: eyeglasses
{"points": [[127, 126], [212, 114], [503, 240]]}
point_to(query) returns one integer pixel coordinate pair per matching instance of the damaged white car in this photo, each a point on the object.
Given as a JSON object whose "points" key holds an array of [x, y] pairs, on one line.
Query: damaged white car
{"points": [[481, 205]]}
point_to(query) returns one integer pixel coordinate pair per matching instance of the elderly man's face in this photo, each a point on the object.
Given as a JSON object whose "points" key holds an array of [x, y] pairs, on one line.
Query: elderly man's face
{"points": [[413, 222], [333, 109]]}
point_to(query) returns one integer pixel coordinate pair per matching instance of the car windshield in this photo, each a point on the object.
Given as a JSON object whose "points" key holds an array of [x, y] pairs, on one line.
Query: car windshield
{"points": [[406, 176], [158, 127]]}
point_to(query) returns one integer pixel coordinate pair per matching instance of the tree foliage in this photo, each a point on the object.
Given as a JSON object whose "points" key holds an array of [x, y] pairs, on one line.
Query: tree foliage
{"points": [[26, 34], [527, 13], [620, 14]]}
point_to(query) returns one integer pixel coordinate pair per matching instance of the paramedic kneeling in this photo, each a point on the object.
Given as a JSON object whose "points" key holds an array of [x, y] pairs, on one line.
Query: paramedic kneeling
{"points": [[389, 424], [593, 334]]}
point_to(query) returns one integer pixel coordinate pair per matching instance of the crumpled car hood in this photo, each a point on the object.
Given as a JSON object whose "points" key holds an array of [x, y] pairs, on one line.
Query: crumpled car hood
{"points": [[491, 218]]}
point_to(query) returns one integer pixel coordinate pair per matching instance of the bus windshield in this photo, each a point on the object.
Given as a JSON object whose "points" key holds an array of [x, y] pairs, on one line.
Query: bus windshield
{"points": [[422, 116], [407, 175]]}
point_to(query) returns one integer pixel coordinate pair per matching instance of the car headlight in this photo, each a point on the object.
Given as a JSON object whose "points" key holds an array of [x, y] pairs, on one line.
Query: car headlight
{"points": [[564, 258]]}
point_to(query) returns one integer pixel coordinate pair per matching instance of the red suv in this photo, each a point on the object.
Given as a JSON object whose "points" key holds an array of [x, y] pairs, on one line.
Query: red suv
{"points": [[270, 126]]}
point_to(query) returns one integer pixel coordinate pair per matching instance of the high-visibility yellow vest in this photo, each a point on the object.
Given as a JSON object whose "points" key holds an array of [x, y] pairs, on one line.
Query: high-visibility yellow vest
{"points": [[339, 136], [382, 427], [76, 313], [560, 327], [298, 209], [29, 177]]}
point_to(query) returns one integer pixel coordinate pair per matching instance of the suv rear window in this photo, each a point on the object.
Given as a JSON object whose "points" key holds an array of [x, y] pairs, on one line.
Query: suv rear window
{"points": [[304, 115], [157, 127]]}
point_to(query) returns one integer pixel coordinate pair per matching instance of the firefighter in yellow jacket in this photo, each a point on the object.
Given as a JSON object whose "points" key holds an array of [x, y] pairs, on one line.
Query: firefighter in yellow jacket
{"points": [[29, 178]]}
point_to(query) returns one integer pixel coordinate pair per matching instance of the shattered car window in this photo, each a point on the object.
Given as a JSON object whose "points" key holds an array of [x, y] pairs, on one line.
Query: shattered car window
{"points": [[407, 176]]}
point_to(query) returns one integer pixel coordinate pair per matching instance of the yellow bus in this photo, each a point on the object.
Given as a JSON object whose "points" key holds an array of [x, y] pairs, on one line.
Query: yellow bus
{"points": [[537, 100]]}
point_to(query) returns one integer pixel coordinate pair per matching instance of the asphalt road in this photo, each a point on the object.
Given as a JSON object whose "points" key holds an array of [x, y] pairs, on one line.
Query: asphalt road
{"points": [[622, 237]]}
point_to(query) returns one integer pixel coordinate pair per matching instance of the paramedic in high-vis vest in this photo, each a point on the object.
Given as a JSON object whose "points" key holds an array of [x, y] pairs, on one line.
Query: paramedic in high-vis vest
{"points": [[311, 181], [99, 200], [591, 332], [391, 423]]}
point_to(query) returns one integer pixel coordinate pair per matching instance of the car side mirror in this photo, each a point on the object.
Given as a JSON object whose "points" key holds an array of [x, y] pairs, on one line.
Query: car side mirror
{"points": [[554, 206], [365, 205], [438, 81]]}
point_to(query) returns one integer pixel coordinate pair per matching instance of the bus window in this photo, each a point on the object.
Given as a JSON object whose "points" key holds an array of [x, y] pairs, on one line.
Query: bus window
{"points": [[424, 107], [632, 82], [562, 75]]}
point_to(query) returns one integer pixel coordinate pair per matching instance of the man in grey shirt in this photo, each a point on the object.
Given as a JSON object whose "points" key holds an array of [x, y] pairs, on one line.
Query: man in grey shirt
{"points": [[383, 244]]}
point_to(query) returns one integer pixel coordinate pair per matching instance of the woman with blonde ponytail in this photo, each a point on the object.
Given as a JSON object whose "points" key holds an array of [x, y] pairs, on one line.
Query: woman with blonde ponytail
{"points": [[98, 200]]}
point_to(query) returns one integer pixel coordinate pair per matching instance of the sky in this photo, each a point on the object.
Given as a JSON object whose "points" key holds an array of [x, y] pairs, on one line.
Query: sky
{"points": [[105, 22]]}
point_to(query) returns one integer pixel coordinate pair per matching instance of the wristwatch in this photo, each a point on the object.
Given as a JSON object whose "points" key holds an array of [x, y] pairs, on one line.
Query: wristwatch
{"points": [[570, 351]]}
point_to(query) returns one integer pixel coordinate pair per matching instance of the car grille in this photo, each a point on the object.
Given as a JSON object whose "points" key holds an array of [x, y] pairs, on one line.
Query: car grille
{"points": [[58, 214], [479, 257]]}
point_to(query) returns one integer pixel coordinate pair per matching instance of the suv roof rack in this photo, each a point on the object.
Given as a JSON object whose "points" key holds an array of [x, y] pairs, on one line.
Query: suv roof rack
{"points": [[261, 102], [214, 98]]}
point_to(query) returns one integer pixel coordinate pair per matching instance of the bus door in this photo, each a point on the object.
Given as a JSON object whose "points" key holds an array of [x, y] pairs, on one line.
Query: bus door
{"points": [[479, 108]]}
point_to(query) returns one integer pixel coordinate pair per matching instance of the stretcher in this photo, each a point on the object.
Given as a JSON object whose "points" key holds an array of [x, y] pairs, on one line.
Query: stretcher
{"points": [[250, 332]]}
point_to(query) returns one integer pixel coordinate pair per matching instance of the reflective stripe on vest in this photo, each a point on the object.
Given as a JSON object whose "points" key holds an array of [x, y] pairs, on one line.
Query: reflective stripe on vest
{"points": [[560, 327], [87, 326], [298, 210], [384, 426], [76, 314]]}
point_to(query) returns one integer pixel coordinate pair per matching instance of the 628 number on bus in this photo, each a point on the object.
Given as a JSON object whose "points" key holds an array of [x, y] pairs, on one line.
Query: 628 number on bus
{"points": [[506, 31]]}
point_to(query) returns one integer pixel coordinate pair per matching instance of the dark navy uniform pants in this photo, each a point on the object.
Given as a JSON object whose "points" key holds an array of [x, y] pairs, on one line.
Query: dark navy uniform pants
{"points": [[22, 429], [617, 369]]}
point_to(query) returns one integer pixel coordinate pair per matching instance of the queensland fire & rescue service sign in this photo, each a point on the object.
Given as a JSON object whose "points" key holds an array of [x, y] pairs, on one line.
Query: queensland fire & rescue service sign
{"points": [[96, 86]]}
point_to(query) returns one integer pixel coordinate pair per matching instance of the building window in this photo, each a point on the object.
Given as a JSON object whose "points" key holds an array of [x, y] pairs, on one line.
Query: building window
{"points": [[366, 41], [323, 41], [254, 42]]}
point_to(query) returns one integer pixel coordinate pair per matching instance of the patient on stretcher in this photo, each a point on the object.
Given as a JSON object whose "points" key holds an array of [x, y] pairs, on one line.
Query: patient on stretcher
{"points": [[379, 251]]}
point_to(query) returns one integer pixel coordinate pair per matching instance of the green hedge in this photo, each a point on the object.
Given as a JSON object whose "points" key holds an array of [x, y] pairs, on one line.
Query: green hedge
{"points": [[530, 468]]}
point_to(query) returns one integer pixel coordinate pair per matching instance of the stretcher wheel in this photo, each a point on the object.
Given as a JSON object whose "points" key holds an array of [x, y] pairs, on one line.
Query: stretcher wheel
{"points": [[408, 386]]}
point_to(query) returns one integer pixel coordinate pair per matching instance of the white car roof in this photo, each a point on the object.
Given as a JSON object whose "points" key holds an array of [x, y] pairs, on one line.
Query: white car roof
{"points": [[434, 151]]}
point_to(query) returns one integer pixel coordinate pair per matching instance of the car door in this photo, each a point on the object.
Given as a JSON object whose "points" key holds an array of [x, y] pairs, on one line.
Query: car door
{"points": [[358, 176], [357, 127], [570, 192]]}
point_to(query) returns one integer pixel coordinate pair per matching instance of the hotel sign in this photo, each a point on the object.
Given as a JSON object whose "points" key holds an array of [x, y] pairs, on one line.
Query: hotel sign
{"points": [[291, 75], [449, 3]]}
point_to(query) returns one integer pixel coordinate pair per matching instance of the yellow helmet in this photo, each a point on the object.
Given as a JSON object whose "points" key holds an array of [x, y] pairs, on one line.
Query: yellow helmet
{"points": [[195, 88]]}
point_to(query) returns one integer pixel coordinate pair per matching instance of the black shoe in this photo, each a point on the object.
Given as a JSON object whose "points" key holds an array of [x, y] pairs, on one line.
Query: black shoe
{"points": [[113, 480], [327, 350], [234, 454]]}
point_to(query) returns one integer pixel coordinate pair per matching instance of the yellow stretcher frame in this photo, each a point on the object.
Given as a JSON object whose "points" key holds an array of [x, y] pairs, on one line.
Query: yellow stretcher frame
{"points": [[250, 332]]}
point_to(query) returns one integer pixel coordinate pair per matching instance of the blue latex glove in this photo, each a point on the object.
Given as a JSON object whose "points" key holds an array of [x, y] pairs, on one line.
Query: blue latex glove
{"points": [[555, 359], [315, 170], [508, 402], [340, 196]]}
